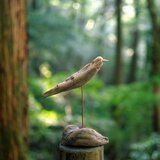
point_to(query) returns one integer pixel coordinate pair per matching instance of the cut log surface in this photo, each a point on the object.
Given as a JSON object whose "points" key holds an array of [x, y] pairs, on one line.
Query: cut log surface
{"points": [[81, 153]]}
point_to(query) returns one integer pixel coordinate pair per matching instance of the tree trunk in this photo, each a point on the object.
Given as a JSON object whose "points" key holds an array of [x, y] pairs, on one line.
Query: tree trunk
{"points": [[102, 26], [155, 61], [133, 64], [34, 4], [118, 73], [13, 80], [101, 38], [118, 58]]}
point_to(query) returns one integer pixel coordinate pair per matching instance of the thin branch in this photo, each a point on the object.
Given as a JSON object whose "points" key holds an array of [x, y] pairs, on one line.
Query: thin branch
{"points": [[82, 103]]}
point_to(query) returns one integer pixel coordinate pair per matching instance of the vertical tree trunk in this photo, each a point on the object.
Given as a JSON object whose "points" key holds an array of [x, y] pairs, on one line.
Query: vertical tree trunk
{"points": [[133, 64], [102, 26], [101, 39], [155, 61], [34, 4], [118, 58], [82, 14], [118, 72], [13, 80]]}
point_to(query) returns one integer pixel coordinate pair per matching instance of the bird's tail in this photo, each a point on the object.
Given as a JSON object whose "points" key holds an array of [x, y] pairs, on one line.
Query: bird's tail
{"points": [[48, 93]]}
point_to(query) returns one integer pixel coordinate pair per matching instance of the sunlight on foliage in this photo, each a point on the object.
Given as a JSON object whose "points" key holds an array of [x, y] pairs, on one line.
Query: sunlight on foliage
{"points": [[129, 12], [48, 117], [44, 69], [90, 24]]}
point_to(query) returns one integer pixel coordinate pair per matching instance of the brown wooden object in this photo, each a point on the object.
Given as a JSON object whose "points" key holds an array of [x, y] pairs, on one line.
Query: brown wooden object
{"points": [[74, 135], [13, 80], [81, 153], [81, 144]]}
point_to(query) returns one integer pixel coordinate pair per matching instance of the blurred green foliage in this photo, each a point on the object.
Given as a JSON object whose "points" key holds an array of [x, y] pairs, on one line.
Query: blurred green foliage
{"points": [[146, 150], [130, 123], [63, 36]]}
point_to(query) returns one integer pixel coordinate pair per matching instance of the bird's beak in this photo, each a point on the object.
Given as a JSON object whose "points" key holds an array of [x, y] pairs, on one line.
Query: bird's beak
{"points": [[105, 60]]}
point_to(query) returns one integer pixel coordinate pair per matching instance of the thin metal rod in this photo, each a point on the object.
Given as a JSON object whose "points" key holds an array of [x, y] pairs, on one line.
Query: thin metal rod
{"points": [[82, 103]]}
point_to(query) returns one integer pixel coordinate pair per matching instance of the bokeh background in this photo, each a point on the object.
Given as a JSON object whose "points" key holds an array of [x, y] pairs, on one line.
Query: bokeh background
{"points": [[122, 101]]}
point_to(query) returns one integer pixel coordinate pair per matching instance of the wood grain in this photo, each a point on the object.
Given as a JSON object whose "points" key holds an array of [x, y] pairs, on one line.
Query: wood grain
{"points": [[85, 153], [79, 78]]}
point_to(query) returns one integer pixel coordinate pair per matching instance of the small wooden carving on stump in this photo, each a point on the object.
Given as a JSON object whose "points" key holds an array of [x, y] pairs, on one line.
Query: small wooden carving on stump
{"points": [[79, 142], [82, 137]]}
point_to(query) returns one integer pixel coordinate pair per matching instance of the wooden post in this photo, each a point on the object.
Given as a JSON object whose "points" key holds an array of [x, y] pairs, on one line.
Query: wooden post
{"points": [[81, 153]]}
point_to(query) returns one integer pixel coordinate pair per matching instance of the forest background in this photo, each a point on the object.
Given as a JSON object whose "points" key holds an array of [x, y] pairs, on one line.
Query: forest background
{"points": [[122, 101]]}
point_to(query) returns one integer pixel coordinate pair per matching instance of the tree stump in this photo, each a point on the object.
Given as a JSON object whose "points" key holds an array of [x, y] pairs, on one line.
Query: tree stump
{"points": [[81, 144], [81, 153]]}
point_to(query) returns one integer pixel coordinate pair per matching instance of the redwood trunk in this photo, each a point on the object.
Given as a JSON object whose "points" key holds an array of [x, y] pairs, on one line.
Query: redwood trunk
{"points": [[13, 80]]}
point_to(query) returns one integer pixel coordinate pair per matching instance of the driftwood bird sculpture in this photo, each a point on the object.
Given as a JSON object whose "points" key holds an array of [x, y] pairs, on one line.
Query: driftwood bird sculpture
{"points": [[78, 79]]}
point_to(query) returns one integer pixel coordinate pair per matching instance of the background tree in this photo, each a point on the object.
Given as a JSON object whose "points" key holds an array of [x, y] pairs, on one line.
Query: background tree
{"points": [[135, 39], [118, 58], [155, 60], [13, 80]]}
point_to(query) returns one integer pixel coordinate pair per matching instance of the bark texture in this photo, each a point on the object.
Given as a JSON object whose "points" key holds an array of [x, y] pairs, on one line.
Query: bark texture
{"points": [[155, 60], [13, 80]]}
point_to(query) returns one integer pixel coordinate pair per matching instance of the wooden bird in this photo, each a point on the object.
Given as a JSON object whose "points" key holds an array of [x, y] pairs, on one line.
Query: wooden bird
{"points": [[79, 78]]}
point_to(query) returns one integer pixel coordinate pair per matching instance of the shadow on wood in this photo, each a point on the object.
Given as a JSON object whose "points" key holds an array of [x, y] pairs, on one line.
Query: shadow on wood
{"points": [[81, 153]]}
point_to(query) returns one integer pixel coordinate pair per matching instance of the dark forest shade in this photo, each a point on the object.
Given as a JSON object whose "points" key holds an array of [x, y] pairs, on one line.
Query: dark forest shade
{"points": [[13, 80]]}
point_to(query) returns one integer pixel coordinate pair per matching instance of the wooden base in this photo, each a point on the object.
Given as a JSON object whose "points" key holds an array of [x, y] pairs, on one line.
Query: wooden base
{"points": [[81, 153]]}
